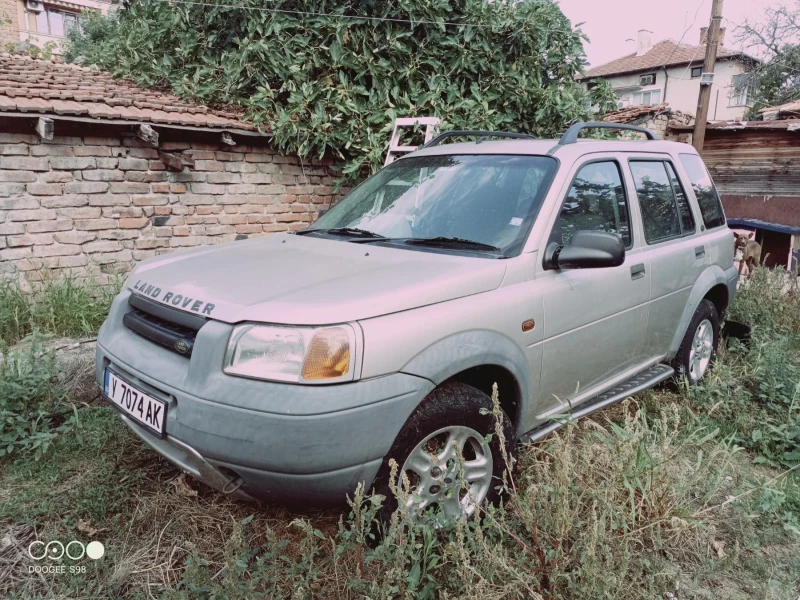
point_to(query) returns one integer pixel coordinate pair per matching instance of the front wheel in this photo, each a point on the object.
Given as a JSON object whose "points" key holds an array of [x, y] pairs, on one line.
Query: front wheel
{"points": [[699, 345], [450, 459]]}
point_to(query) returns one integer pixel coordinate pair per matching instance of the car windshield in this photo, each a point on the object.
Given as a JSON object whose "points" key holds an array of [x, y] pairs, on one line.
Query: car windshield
{"points": [[462, 202]]}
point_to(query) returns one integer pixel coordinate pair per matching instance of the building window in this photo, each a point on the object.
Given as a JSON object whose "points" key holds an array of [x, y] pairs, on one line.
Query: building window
{"points": [[53, 22], [647, 98], [739, 90], [696, 72], [649, 79]]}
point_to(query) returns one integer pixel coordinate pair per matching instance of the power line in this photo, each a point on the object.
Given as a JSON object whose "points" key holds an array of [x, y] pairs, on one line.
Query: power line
{"points": [[321, 14], [675, 49]]}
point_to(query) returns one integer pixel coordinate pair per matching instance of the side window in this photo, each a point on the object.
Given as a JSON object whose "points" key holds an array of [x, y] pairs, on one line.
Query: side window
{"points": [[657, 201], [704, 191], [685, 211], [596, 201]]}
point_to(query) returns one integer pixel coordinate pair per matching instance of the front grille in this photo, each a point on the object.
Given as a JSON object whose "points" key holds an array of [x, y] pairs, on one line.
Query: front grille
{"points": [[174, 330]]}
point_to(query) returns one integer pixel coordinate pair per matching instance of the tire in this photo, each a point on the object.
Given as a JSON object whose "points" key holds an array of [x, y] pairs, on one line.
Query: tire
{"points": [[685, 362], [456, 407]]}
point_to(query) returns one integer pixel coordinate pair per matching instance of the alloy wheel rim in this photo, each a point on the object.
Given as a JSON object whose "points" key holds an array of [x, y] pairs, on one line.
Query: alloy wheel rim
{"points": [[701, 350], [449, 475]]}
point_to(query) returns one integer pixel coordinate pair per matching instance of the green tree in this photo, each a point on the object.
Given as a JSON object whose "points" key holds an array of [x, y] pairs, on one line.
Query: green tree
{"points": [[776, 37], [329, 78]]}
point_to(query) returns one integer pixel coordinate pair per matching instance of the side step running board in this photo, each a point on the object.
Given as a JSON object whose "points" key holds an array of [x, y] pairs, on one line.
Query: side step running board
{"points": [[644, 380]]}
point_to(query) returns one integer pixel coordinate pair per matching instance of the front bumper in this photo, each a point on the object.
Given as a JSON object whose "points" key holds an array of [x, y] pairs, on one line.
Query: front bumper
{"points": [[288, 443]]}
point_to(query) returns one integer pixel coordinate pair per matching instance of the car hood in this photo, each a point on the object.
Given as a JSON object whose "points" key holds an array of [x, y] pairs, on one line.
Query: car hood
{"points": [[304, 280]]}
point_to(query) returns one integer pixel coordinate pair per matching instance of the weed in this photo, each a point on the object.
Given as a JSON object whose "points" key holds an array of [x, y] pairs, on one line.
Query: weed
{"points": [[33, 410], [753, 392], [15, 312], [61, 305]]}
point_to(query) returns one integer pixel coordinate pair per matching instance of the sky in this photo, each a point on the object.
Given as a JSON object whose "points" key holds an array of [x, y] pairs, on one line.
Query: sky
{"points": [[608, 23]]}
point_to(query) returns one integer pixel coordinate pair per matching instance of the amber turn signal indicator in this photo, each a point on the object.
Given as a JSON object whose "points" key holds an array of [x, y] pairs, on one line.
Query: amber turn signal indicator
{"points": [[328, 355], [528, 325]]}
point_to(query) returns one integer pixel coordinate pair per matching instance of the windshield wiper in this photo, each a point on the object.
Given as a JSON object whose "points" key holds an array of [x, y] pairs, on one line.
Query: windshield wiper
{"points": [[450, 242], [350, 231]]}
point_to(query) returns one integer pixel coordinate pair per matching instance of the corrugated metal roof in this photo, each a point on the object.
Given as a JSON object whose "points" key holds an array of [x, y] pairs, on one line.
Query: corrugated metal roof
{"points": [[786, 124]]}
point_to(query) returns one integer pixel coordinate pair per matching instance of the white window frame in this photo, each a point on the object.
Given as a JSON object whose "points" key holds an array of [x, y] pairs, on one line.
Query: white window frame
{"points": [[653, 75], [743, 98], [650, 102]]}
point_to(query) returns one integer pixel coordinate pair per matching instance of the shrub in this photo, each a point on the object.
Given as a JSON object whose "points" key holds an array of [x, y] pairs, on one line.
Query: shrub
{"points": [[769, 302], [754, 391], [331, 79], [32, 403]]}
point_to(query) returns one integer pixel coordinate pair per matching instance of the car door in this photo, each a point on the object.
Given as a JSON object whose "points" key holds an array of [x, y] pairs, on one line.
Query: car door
{"points": [[595, 319], [676, 252]]}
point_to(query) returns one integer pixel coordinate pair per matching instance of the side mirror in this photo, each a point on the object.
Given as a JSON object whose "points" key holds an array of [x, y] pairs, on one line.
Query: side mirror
{"points": [[586, 250]]}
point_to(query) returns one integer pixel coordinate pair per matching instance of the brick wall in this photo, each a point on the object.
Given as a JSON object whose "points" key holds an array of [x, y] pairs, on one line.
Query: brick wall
{"points": [[97, 205], [9, 27]]}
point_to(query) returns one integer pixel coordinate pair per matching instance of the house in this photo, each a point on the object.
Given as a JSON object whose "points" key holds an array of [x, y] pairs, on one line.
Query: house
{"points": [[755, 166], [669, 72], [40, 22], [97, 174]]}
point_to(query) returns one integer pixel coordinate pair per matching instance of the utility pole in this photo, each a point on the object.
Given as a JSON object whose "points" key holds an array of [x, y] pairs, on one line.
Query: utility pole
{"points": [[706, 80]]}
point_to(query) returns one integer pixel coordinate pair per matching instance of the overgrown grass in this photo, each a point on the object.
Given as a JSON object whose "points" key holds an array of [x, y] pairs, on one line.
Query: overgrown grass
{"points": [[673, 494], [61, 305]]}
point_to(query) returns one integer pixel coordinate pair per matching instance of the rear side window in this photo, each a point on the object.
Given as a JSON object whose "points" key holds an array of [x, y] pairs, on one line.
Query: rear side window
{"points": [[687, 220], [596, 201], [659, 207], [704, 191]]}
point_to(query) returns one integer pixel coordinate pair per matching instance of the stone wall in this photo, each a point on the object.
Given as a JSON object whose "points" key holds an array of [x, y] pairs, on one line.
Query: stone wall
{"points": [[97, 205], [660, 123]]}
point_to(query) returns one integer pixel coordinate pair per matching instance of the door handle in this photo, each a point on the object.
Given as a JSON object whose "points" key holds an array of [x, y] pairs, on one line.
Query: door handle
{"points": [[699, 251], [637, 271]]}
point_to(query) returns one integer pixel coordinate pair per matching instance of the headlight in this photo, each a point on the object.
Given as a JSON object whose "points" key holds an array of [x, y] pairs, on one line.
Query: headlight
{"points": [[295, 354]]}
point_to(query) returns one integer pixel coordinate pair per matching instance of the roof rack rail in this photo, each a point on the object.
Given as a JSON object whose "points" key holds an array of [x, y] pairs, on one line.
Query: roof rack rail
{"points": [[571, 135], [476, 133]]}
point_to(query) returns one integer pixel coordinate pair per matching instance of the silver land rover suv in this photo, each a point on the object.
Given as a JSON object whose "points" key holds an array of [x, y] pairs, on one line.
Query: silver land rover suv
{"points": [[289, 368]]}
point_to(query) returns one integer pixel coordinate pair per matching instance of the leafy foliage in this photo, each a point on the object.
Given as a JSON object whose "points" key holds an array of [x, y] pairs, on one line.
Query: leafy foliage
{"points": [[332, 85], [32, 411]]}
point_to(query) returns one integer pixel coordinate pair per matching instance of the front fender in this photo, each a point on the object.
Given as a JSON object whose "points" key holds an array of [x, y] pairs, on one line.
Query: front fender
{"points": [[712, 276], [459, 352]]}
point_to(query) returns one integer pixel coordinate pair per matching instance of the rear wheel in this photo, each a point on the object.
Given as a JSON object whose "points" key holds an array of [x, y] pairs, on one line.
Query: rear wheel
{"points": [[699, 346], [450, 459]]}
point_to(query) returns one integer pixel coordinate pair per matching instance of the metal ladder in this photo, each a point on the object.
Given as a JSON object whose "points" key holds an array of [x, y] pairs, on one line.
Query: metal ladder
{"points": [[431, 129]]}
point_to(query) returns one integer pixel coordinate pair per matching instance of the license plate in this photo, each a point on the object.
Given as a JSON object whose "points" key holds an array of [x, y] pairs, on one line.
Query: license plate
{"points": [[142, 408]]}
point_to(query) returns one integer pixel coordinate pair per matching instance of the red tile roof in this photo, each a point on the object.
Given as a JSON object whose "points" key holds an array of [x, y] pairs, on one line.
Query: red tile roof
{"points": [[663, 53], [31, 85]]}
